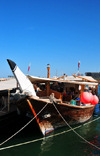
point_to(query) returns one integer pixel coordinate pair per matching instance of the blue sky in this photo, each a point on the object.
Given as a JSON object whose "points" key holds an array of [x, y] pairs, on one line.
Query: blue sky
{"points": [[58, 32]]}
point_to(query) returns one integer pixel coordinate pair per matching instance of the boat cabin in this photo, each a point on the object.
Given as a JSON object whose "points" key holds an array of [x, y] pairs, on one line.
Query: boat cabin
{"points": [[65, 90]]}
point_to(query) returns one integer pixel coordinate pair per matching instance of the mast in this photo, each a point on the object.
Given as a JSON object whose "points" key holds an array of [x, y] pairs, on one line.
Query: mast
{"points": [[48, 76], [78, 67], [48, 70]]}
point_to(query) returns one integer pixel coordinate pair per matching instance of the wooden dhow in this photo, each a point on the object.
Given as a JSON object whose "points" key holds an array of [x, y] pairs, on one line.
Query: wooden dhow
{"points": [[50, 94]]}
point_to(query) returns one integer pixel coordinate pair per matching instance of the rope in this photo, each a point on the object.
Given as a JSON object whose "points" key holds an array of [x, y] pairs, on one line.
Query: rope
{"points": [[23, 126], [1, 111], [74, 130], [40, 139]]}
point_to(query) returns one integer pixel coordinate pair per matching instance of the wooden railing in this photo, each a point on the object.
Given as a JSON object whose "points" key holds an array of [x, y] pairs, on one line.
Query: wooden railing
{"points": [[57, 95], [42, 93]]}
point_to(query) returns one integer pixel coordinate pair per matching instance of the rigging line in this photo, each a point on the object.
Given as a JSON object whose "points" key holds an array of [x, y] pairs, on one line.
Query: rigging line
{"points": [[23, 126], [91, 121], [74, 130], [20, 144], [40, 139]]}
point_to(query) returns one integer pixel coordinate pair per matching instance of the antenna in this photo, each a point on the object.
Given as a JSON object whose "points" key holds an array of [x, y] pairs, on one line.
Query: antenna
{"points": [[28, 68]]}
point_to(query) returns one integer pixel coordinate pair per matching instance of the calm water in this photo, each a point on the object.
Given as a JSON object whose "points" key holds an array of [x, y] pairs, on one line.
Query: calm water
{"points": [[67, 144]]}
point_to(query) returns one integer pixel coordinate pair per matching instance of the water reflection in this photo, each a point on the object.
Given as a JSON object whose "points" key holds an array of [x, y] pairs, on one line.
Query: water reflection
{"points": [[46, 145], [91, 150], [91, 132], [67, 143]]}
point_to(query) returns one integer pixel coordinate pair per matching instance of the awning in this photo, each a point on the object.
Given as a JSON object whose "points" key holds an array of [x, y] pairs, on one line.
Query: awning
{"points": [[34, 79]]}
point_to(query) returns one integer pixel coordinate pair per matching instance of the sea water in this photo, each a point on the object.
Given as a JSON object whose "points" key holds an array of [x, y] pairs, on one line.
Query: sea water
{"points": [[60, 143]]}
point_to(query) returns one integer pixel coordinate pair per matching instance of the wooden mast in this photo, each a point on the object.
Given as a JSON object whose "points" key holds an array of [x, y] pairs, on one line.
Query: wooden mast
{"points": [[48, 70], [48, 76]]}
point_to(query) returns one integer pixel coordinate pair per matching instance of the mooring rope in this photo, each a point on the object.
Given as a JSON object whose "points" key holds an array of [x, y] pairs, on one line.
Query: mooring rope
{"points": [[57, 134], [40, 139], [74, 130], [23, 126]]}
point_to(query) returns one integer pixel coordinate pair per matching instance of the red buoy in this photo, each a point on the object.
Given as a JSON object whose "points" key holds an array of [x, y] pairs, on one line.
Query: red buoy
{"points": [[95, 100], [86, 97], [91, 97]]}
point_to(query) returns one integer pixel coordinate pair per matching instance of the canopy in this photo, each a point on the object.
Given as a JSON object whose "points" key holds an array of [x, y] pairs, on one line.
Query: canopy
{"points": [[34, 79]]}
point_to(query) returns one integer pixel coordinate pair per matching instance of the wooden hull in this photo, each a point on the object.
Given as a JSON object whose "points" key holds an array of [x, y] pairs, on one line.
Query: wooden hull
{"points": [[49, 119]]}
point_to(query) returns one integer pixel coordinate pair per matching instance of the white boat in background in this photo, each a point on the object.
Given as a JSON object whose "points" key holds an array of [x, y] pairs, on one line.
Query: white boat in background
{"points": [[8, 109]]}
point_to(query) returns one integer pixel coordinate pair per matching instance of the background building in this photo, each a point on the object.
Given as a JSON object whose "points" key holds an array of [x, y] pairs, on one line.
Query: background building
{"points": [[95, 75]]}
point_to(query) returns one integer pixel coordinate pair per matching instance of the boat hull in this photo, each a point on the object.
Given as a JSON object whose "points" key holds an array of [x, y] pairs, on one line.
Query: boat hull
{"points": [[49, 119]]}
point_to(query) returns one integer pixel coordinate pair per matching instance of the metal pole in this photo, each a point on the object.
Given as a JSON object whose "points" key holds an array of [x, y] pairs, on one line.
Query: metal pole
{"points": [[8, 100]]}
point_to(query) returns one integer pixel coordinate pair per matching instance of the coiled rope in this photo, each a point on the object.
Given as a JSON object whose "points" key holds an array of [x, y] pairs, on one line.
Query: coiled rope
{"points": [[74, 130]]}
